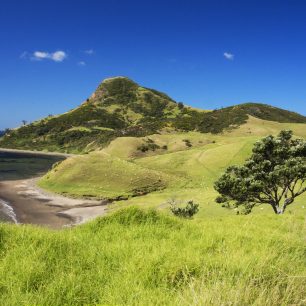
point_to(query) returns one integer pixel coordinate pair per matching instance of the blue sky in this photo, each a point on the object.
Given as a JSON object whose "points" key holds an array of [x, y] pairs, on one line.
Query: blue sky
{"points": [[206, 54]]}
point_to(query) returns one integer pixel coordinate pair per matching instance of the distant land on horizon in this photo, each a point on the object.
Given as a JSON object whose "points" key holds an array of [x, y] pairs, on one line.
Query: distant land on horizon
{"points": [[186, 103], [121, 107]]}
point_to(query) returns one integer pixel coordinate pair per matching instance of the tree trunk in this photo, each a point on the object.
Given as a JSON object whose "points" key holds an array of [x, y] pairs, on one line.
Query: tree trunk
{"points": [[274, 208], [278, 209]]}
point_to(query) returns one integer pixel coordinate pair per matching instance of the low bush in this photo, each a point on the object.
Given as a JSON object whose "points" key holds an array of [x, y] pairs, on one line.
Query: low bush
{"points": [[149, 145], [187, 211]]}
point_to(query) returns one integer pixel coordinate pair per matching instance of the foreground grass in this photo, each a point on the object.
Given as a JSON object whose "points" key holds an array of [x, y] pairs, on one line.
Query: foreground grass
{"points": [[137, 257]]}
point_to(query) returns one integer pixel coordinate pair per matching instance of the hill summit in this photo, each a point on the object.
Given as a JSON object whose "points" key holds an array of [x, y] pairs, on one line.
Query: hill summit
{"points": [[121, 107], [130, 100]]}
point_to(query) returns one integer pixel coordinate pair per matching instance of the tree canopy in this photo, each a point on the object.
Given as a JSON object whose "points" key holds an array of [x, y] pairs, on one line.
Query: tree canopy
{"points": [[274, 175]]}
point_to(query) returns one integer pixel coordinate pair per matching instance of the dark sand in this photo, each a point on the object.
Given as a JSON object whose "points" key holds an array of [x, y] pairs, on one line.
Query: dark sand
{"points": [[19, 171], [30, 210]]}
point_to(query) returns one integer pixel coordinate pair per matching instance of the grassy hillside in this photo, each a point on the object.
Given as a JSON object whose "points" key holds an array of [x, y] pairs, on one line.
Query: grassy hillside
{"points": [[120, 107], [259, 127], [100, 175], [229, 118], [188, 167], [146, 258]]}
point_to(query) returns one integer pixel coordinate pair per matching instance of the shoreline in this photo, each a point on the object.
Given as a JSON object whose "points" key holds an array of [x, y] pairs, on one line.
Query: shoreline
{"points": [[7, 213], [32, 205], [5, 150]]}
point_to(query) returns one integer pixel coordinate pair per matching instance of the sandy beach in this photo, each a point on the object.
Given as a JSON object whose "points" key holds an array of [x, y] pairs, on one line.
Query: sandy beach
{"points": [[22, 201], [33, 205]]}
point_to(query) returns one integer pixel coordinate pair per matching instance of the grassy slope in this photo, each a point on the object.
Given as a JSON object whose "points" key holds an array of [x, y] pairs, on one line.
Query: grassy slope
{"points": [[187, 173], [118, 107], [203, 165], [137, 258], [101, 175], [262, 128]]}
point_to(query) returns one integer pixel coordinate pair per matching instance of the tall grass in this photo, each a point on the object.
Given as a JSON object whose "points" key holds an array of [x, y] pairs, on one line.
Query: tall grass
{"points": [[136, 257]]}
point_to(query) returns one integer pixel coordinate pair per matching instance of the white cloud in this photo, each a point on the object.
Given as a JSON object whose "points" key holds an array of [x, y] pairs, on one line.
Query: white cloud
{"points": [[57, 56], [228, 56], [41, 55], [89, 51], [81, 63]]}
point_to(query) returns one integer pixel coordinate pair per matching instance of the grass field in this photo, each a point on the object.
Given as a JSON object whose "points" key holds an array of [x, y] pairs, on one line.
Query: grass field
{"points": [[135, 257]]}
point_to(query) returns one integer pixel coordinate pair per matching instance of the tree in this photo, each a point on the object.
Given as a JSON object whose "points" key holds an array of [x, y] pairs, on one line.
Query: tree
{"points": [[24, 122], [180, 105], [274, 175]]}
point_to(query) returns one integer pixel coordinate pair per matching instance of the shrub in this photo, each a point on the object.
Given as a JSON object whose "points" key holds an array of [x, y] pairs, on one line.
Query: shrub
{"points": [[188, 211], [180, 105], [149, 145], [187, 143]]}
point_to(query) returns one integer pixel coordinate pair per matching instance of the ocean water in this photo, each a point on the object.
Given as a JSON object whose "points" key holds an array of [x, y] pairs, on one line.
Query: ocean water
{"points": [[7, 213], [14, 166]]}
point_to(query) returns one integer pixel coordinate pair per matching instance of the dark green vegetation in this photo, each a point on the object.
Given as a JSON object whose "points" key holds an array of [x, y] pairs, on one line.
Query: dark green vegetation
{"points": [[232, 117], [149, 145], [134, 257], [120, 107], [187, 211], [274, 175]]}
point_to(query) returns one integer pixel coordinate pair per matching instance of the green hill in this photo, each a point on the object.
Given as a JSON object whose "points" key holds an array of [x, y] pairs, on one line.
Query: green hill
{"points": [[186, 169], [103, 176], [120, 107]]}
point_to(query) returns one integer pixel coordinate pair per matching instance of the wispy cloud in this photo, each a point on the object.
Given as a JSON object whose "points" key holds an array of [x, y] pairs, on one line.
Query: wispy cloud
{"points": [[81, 63], [57, 56], [228, 56], [89, 51], [23, 55]]}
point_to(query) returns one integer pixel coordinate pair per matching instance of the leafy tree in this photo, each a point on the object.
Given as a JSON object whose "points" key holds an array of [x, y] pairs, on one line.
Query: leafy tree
{"points": [[24, 122], [275, 175]]}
